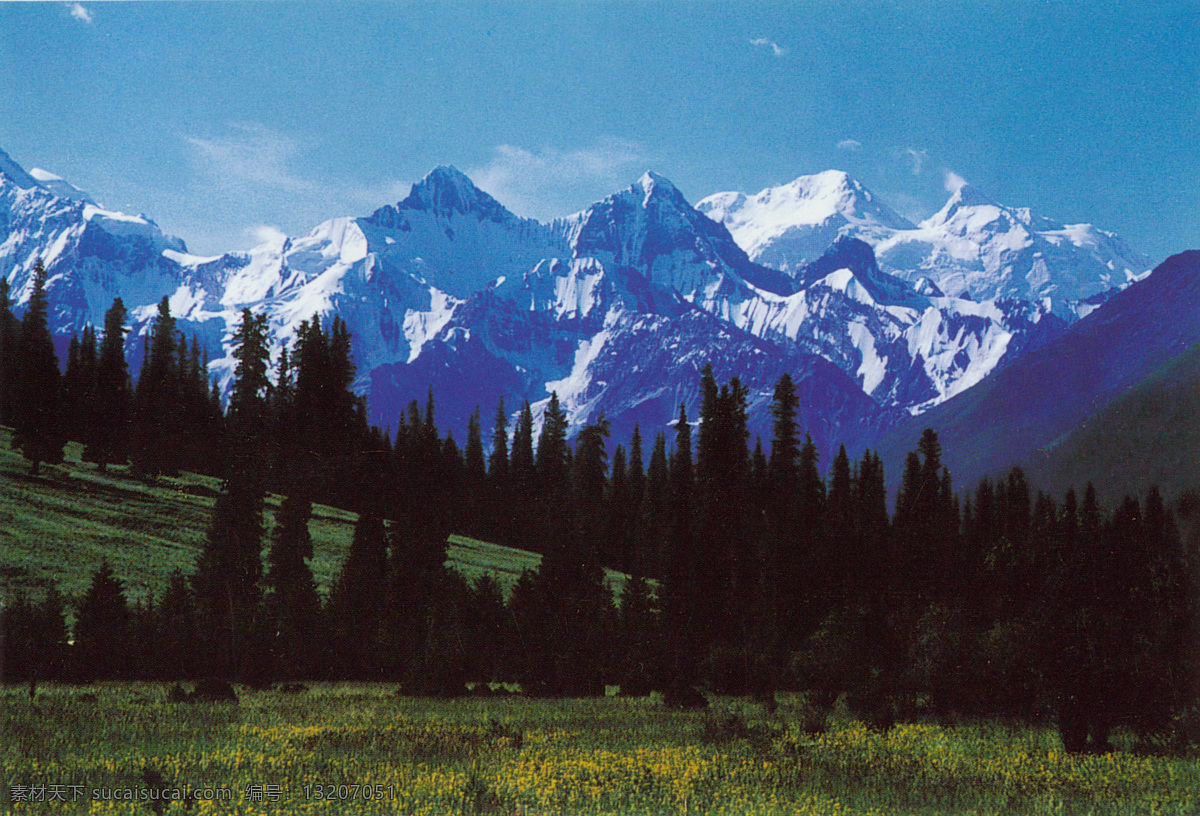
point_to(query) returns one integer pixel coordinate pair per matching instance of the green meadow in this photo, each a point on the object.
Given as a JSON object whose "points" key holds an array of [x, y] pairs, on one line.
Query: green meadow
{"points": [[359, 748], [59, 527]]}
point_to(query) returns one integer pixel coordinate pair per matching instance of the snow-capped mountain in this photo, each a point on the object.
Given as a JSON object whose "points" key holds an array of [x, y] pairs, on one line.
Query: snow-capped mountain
{"points": [[973, 247], [91, 254], [616, 308], [792, 225]]}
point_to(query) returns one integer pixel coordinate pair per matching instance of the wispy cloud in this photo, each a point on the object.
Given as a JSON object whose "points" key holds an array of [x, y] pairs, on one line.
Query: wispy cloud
{"points": [[850, 144], [266, 234], [917, 159], [251, 154], [954, 182], [80, 13], [535, 183], [763, 42]]}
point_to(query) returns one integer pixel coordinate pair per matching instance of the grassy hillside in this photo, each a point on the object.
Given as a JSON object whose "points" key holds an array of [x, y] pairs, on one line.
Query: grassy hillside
{"points": [[60, 526]]}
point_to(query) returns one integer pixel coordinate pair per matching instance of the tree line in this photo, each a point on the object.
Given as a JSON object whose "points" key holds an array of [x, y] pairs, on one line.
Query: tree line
{"points": [[750, 570]]}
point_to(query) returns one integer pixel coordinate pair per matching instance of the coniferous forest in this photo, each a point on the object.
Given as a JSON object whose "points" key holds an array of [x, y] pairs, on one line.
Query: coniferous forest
{"points": [[756, 567]]}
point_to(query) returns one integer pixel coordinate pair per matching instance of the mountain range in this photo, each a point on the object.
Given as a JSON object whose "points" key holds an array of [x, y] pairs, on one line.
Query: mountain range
{"points": [[883, 323]]}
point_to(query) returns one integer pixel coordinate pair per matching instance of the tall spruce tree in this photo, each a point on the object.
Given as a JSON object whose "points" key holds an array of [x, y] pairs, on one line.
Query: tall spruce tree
{"points": [[294, 609], [249, 400], [156, 401], [38, 431], [79, 387], [358, 603], [102, 630], [228, 574], [655, 513], [114, 399], [10, 338], [682, 602], [522, 449], [552, 492], [498, 460]]}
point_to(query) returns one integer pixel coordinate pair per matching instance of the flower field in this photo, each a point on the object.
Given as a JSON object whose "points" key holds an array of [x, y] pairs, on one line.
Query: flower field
{"points": [[360, 749]]}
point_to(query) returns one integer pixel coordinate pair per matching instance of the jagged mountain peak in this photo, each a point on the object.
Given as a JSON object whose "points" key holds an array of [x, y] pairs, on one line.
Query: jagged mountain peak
{"points": [[60, 186], [652, 183], [965, 199], [447, 191], [16, 173], [845, 253], [859, 258], [789, 226]]}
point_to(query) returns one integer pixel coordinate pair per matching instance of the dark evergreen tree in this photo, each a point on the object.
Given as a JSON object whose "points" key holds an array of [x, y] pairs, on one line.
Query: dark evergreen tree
{"points": [[329, 424], [10, 338], [177, 632], [654, 516], [498, 460], [473, 453], [620, 516], [472, 504], [589, 482], [33, 639], [158, 432], [727, 569], [637, 467], [38, 431], [358, 602], [249, 400], [110, 440], [841, 541], [681, 601], [102, 635], [293, 607], [227, 579], [552, 493], [79, 387], [639, 635], [522, 451]]}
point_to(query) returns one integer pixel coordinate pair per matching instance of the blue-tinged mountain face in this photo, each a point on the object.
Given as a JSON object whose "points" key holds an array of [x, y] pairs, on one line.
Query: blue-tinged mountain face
{"points": [[616, 309], [1030, 406]]}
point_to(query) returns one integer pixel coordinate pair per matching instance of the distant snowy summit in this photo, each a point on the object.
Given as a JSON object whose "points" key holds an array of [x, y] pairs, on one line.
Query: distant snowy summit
{"points": [[972, 247], [616, 308], [792, 225]]}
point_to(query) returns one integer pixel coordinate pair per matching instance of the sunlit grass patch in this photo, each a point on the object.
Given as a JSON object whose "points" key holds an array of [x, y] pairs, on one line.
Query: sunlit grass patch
{"points": [[604, 756]]}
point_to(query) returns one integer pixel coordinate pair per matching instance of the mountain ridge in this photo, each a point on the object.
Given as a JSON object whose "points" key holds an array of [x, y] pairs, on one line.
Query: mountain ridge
{"points": [[448, 280]]}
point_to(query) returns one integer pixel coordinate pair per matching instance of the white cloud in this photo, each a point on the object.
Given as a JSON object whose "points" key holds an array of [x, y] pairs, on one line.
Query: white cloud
{"points": [[252, 155], [954, 182], [917, 157], [849, 144], [266, 234], [80, 13], [537, 184], [763, 42]]}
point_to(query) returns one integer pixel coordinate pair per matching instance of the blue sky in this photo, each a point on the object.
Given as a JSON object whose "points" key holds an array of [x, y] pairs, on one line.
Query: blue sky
{"points": [[226, 121]]}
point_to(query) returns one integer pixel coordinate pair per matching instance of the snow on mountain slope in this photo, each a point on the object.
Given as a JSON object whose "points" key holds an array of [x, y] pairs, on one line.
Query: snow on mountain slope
{"points": [[973, 247], [91, 254], [616, 308], [1030, 408], [792, 225], [651, 227], [906, 349], [457, 237], [619, 364], [60, 186], [983, 250]]}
